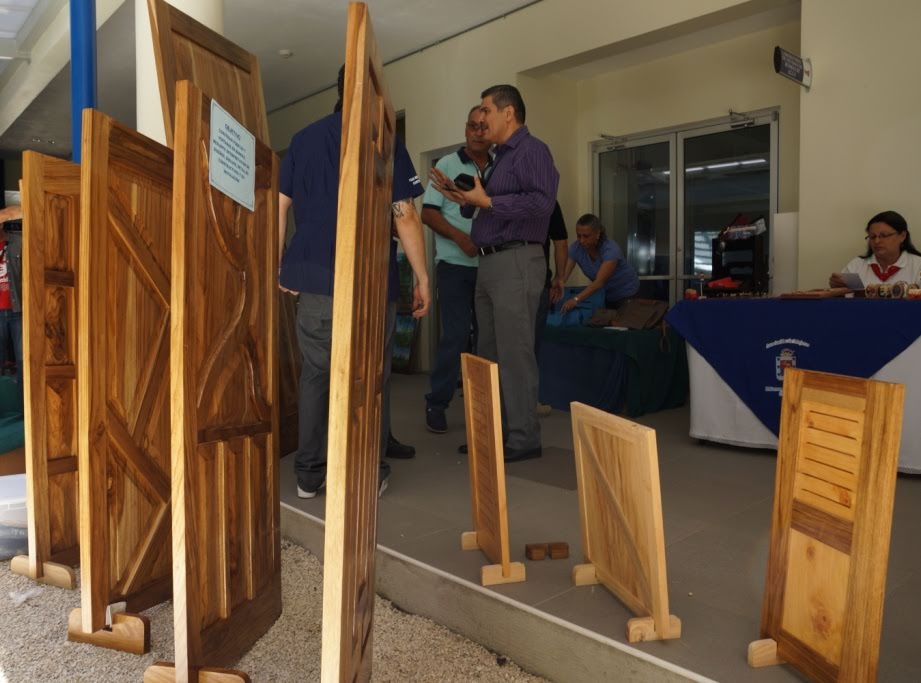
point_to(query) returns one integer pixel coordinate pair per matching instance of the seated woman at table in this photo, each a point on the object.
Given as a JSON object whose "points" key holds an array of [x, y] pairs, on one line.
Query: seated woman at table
{"points": [[603, 262], [890, 256]]}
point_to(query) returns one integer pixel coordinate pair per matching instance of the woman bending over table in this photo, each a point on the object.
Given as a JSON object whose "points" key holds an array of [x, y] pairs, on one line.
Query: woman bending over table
{"points": [[890, 256], [603, 262]]}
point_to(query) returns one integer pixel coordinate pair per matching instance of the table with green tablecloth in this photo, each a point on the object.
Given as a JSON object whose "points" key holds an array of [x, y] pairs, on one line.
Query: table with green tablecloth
{"points": [[629, 371]]}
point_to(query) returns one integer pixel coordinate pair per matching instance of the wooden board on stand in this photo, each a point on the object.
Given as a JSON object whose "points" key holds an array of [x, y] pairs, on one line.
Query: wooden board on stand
{"points": [[357, 359], [833, 499], [185, 49], [226, 527], [123, 428], [620, 509], [51, 221], [487, 472]]}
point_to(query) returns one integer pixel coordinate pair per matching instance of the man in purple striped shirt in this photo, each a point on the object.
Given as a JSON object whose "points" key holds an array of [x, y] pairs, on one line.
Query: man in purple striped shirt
{"points": [[511, 213]]}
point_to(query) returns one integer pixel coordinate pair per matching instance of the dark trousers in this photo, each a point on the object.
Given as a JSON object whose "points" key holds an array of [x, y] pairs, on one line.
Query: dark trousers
{"points": [[314, 338], [456, 286], [11, 331]]}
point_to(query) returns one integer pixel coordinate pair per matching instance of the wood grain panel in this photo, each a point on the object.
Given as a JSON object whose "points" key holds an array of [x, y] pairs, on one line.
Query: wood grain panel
{"points": [[226, 532], [833, 496], [51, 218], [620, 509], [486, 459], [188, 50], [356, 373], [123, 410]]}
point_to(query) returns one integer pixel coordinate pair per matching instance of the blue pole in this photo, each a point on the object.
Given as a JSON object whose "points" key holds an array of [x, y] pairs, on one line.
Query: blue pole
{"points": [[82, 67]]}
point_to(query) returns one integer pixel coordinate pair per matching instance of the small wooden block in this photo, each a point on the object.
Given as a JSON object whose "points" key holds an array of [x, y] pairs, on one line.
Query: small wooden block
{"points": [[53, 574], [640, 629], [763, 653], [535, 551], [559, 550], [584, 575], [164, 672], [468, 541], [128, 633], [491, 574]]}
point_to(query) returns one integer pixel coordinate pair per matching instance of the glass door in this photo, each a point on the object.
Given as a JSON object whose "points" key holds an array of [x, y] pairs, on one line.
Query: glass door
{"points": [[635, 200], [726, 179]]}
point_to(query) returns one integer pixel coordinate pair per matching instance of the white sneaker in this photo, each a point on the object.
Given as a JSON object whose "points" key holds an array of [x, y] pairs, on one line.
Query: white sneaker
{"points": [[301, 493], [383, 486]]}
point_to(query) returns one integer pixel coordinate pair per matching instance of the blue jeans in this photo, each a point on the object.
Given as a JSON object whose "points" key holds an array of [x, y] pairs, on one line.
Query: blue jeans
{"points": [[456, 286], [11, 330]]}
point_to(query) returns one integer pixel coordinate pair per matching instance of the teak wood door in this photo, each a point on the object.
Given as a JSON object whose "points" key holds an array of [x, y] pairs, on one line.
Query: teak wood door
{"points": [[123, 401], [226, 534], [188, 50], [51, 221], [356, 372], [833, 498]]}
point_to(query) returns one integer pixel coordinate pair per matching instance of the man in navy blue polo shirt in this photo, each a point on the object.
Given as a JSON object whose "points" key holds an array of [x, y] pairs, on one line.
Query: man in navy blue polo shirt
{"points": [[310, 181]]}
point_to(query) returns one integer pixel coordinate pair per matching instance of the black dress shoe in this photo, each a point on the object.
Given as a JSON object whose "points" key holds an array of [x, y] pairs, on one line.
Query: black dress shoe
{"points": [[399, 451], [517, 454]]}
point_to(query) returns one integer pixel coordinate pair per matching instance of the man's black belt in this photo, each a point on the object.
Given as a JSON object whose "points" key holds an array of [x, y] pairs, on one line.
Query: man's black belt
{"points": [[496, 248]]}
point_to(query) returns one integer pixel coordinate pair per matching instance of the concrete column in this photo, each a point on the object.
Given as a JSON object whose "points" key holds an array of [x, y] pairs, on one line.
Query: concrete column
{"points": [[149, 110]]}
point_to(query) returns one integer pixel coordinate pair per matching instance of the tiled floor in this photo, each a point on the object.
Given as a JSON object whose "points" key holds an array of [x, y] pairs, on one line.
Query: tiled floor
{"points": [[716, 504]]}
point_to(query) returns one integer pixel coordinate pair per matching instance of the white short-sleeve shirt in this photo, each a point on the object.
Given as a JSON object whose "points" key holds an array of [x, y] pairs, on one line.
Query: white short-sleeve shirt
{"points": [[909, 264]]}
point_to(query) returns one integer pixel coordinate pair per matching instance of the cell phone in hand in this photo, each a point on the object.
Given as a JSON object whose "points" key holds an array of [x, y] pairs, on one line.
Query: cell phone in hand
{"points": [[464, 181]]}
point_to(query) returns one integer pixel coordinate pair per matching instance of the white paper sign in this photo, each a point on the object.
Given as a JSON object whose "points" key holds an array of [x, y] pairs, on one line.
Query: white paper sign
{"points": [[233, 158]]}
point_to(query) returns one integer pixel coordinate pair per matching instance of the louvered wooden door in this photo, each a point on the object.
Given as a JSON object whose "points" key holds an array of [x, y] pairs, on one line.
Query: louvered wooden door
{"points": [[187, 50], [51, 220], [359, 310], [226, 536], [123, 374], [833, 497]]}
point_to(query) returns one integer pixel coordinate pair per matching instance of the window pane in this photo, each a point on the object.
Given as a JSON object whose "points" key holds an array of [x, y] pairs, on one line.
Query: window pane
{"points": [[634, 204], [727, 180]]}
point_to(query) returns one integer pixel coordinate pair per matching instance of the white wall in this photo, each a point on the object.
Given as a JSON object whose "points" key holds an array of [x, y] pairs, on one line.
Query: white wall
{"points": [[860, 123]]}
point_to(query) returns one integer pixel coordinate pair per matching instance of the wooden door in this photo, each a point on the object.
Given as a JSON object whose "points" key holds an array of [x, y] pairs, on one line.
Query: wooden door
{"points": [[620, 510], [833, 496], [51, 219], [226, 534], [359, 310], [123, 401], [188, 50], [487, 472]]}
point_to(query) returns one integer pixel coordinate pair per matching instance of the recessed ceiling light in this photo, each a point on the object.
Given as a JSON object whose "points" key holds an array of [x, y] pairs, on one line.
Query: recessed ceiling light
{"points": [[285, 53], [36, 140]]}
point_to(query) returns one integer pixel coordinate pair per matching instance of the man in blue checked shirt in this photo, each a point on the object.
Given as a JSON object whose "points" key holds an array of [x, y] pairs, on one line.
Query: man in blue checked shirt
{"points": [[511, 211]]}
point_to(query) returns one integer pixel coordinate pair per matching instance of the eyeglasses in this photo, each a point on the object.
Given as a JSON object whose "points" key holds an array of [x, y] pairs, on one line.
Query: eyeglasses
{"points": [[880, 236], [476, 126]]}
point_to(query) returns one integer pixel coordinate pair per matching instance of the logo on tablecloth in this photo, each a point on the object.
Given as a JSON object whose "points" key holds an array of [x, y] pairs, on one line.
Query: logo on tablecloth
{"points": [[786, 359]]}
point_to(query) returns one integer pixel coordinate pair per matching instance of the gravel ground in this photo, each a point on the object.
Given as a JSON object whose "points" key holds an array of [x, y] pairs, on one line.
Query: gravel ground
{"points": [[33, 645]]}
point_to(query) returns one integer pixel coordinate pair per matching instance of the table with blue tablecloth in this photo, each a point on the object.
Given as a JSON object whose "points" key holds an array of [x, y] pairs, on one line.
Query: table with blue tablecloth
{"points": [[738, 349], [630, 371]]}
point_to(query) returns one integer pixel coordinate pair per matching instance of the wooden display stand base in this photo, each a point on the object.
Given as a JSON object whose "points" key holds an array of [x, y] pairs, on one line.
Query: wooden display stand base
{"points": [[491, 574], [639, 629], [53, 574], [763, 653], [128, 632], [163, 672]]}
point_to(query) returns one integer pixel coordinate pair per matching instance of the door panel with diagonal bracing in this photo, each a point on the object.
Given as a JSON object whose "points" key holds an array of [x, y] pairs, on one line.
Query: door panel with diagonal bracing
{"points": [[359, 307], [123, 409], [224, 400], [51, 203]]}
